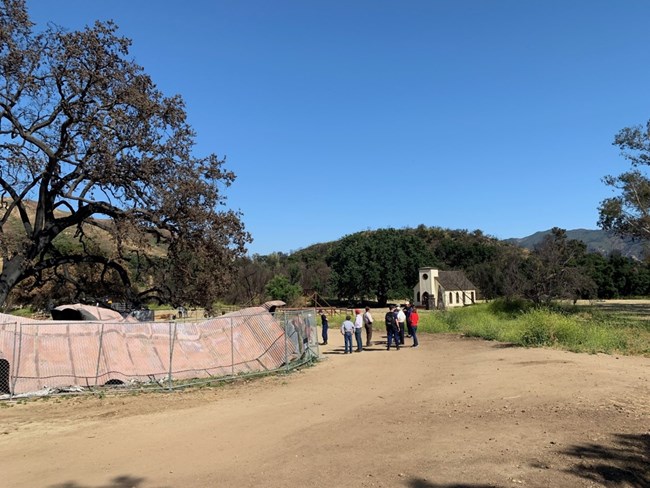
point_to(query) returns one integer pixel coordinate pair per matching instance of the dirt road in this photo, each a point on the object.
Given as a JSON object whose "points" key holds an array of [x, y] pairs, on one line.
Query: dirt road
{"points": [[454, 412]]}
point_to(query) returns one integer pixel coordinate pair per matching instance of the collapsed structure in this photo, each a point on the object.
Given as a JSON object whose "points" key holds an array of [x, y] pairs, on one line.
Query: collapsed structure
{"points": [[48, 354]]}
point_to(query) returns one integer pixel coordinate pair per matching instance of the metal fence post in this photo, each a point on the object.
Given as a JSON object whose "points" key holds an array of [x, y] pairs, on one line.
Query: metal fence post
{"points": [[17, 358], [12, 372], [172, 337], [99, 353], [286, 338], [313, 333], [232, 350], [314, 316]]}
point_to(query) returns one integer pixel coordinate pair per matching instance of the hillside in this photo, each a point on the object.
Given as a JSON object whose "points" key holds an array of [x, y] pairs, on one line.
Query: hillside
{"points": [[598, 241], [15, 233]]}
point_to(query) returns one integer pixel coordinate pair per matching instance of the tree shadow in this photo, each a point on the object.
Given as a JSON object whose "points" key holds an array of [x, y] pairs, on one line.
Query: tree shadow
{"points": [[420, 483], [505, 345], [626, 308], [626, 463], [124, 481]]}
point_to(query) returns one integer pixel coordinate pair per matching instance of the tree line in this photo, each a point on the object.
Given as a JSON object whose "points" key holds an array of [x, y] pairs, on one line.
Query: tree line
{"points": [[376, 266]]}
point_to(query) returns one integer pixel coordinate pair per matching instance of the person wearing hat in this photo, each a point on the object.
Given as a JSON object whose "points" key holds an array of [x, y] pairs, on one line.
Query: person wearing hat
{"points": [[358, 327]]}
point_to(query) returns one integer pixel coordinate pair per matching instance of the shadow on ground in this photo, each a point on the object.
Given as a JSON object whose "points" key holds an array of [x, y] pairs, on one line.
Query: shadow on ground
{"points": [[626, 462], [125, 481], [636, 310], [420, 483]]}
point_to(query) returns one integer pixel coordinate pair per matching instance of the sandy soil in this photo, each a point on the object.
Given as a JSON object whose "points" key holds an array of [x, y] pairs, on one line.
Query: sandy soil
{"points": [[454, 412]]}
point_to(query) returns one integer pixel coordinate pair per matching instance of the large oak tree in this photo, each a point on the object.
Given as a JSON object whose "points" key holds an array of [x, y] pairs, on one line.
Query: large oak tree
{"points": [[378, 264], [88, 141]]}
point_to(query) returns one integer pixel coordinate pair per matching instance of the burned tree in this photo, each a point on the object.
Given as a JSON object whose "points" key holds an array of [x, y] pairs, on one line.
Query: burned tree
{"points": [[88, 142]]}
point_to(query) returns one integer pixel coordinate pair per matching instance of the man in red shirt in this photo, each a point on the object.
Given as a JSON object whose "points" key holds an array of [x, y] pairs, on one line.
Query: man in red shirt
{"points": [[415, 318]]}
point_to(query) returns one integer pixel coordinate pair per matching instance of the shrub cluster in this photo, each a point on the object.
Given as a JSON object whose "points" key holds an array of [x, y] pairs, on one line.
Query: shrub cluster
{"points": [[520, 323]]}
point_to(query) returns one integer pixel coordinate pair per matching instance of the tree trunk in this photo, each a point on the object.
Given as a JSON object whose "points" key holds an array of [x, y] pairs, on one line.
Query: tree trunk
{"points": [[10, 276]]}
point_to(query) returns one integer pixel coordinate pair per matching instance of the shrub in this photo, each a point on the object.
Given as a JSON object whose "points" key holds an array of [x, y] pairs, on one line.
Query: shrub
{"points": [[280, 288], [536, 333], [511, 306]]}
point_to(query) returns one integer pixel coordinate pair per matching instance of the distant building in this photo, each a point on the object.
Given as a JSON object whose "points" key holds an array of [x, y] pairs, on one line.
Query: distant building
{"points": [[442, 289]]}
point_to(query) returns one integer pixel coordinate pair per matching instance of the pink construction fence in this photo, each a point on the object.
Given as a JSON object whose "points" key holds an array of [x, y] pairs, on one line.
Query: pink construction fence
{"points": [[41, 357]]}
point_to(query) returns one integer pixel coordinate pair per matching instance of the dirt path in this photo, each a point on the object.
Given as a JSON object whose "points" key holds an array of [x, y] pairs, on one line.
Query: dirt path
{"points": [[453, 413]]}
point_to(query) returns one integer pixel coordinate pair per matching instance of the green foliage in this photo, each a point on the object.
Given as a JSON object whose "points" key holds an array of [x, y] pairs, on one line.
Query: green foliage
{"points": [[379, 264], [538, 328], [553, 270], [383, 264], [281, 288], [573, 328], [579, 329], [23, 312], [628, 213], [510, 307], [574, 332], [65, 244]]}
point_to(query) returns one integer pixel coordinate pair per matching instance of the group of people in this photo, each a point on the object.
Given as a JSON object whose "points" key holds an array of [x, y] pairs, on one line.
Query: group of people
{"points": [[397, 322]]}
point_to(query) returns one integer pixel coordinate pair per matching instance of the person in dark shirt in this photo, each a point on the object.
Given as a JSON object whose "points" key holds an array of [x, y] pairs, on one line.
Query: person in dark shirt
{"points": [[325, 326], [392, 329], [407, 312]]}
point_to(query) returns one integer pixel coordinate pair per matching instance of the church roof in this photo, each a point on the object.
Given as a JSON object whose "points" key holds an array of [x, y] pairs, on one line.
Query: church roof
{"points": [[454, 280]]}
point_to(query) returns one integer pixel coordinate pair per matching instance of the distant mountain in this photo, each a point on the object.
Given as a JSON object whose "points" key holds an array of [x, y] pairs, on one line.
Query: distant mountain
{"points": [[596, 240]]}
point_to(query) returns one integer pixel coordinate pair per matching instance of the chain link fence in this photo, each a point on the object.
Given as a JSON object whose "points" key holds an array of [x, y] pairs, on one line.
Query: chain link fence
{"points": [[42, 358]]}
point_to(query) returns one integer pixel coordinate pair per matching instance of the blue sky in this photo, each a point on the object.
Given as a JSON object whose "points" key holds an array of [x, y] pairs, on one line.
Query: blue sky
{"points": [[342, 116]]}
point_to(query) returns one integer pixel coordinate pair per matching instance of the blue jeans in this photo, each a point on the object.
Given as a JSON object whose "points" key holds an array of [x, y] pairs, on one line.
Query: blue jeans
{"points": [[325, 327], [357, 336], [401, 332], [414, 334], [409, 328], [348, 341], [392, 334]]}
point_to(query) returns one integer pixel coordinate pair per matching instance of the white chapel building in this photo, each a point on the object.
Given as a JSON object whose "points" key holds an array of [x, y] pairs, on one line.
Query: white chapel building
{"points": [[442, 289]]}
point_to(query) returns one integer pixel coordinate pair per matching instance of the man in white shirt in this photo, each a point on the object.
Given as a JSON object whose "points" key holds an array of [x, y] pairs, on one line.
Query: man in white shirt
{"points": [[401, 320], [358, 326], [367, 322]]}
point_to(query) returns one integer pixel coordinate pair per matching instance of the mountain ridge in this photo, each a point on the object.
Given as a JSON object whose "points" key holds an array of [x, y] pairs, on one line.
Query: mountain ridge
{"points": [[597, 240]]}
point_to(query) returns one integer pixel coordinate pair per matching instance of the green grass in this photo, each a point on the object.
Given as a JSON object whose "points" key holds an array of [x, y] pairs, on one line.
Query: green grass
{"points": [[596, 328], [591, 329], [23, 312], [578, 329]]}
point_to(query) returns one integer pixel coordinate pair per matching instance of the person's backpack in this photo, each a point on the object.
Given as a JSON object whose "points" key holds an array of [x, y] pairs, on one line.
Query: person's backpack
{"points": [[390, 320]]}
